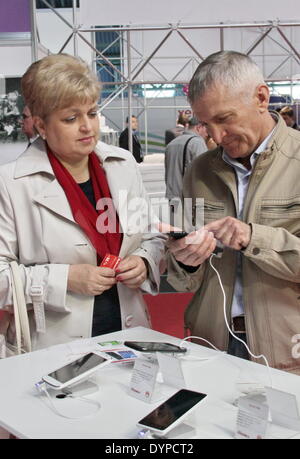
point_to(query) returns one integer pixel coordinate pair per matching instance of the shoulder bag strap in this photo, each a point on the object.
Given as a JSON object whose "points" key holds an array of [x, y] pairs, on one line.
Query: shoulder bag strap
{"points": [[20, 309], [184, 152]]}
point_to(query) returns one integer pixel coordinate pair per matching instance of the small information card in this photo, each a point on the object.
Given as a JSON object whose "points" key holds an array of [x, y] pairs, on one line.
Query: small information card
{"points": [[143, 381], [252, 420]]}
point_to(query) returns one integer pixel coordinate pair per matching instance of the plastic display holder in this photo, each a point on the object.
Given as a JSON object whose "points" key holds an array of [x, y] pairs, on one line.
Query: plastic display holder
{"points": [[81, 389], [182, 431], [147, 373]]}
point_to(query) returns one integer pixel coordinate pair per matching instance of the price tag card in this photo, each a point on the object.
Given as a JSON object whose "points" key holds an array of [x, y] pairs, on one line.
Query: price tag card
{"points": [[252, 419], [143, 381]]}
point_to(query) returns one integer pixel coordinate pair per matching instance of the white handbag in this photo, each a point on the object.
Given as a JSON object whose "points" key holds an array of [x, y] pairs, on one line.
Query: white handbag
{"points": [[22, 329]]}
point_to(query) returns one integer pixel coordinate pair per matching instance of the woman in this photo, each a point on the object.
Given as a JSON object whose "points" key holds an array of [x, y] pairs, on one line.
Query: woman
{"points": [[48, 217]]}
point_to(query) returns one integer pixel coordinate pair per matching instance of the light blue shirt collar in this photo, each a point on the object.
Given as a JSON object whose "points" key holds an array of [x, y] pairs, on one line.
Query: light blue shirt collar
{"points": [[237, 165]]}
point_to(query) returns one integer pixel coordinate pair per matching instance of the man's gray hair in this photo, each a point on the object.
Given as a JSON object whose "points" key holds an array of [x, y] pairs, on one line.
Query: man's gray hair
{"points": [[235, 71]]}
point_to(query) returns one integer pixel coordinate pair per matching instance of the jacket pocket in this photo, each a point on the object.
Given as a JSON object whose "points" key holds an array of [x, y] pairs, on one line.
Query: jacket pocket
{"points": [[280, 212], [213, 210]]}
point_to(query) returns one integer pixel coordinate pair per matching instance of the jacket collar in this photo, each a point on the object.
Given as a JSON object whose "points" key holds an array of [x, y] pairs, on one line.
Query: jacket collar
{"points": [[275, 142], [35, 160]]}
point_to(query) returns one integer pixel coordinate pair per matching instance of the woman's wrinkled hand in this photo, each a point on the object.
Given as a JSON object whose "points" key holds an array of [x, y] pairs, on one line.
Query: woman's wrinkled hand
{"points": [[90, 280], [132, 271]]}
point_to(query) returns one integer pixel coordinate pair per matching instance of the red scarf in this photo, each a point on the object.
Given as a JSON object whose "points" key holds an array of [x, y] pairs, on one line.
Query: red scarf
{"points": [[83, 211]]}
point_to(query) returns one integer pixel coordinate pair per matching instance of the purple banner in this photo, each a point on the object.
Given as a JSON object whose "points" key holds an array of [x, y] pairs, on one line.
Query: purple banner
{"points": [[14, 16]]}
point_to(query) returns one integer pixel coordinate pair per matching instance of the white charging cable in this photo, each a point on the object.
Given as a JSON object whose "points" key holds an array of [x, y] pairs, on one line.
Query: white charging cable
{"points": [[261, 356], [201, 339], [42, 389]]}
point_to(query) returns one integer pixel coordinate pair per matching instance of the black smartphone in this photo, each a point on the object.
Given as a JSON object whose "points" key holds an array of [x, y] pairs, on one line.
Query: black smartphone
{"points": [[172, 412], [147, 346], [178, 234]]}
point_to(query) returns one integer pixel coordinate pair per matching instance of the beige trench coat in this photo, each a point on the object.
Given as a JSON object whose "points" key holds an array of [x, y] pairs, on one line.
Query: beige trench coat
{"points": [[38, 230]]}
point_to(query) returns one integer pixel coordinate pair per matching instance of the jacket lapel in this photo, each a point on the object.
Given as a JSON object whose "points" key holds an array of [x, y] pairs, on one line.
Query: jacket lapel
{"points": [[115, 176], [50, 194], [54, 198], [227, 175]]}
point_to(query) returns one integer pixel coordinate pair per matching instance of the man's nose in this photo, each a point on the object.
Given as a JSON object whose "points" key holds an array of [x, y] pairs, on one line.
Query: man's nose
{"points": [[217, 133]]}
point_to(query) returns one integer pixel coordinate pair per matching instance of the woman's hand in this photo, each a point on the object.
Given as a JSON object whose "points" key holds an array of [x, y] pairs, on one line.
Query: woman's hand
{"points": [[90, 280], [132, 271]]}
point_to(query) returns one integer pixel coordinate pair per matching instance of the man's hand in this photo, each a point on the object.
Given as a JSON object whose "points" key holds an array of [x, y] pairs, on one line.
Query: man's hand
{"points": [[193, 249], [231, 232]]}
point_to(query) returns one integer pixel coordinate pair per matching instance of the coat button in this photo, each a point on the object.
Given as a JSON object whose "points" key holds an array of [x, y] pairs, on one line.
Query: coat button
{"points": [[255, 251], [128, 321]]}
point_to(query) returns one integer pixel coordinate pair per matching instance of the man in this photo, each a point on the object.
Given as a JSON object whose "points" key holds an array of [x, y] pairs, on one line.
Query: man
{"points": [[136, 146], [179, 153], [181, 124], [288, 115], [251, 190], [28, 126]]}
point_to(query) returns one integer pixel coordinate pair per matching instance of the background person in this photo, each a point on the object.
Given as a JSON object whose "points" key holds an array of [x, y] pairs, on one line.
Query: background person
{"points": [[180, 152], [251, 191], [28, 126], [181, 125], [124, 140], [11, 115], [48, 217], [288, 115]]}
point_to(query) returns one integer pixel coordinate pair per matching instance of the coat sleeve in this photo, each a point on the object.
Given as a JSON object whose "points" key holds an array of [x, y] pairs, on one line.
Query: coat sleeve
{"points": [[152, 245], [275, 251], [52, 277], [182, 280]]}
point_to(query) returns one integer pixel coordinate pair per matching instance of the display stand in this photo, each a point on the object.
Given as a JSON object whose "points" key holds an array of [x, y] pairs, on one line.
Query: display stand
{"points": [[184, 430], [149, 370]]}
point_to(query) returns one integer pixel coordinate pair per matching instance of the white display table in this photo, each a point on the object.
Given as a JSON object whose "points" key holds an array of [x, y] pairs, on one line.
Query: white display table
{"points": [[26, 415]]}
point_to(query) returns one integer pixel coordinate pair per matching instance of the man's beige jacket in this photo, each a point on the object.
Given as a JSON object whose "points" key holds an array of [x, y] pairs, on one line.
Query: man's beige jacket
{"points": [[270, 263]]}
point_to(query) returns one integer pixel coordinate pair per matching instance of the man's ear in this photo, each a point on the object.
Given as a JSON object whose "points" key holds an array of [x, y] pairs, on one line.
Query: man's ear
{"points": [[263, 97], [39, 125]]}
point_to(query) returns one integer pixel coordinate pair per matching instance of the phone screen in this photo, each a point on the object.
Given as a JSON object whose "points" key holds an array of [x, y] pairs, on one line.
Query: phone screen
{"points": [[172, 409], [154, 347], [121, 355], [76, 368]]}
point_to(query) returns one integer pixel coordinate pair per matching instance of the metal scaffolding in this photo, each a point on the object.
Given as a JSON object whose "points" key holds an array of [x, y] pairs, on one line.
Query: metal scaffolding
{"points": [[279, 34]]}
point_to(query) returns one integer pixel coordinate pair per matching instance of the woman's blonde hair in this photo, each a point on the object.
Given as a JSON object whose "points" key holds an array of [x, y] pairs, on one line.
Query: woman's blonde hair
{"points": [[56, 82]]}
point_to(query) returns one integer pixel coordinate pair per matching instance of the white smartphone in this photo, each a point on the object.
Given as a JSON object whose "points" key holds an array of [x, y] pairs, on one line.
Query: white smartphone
{"points": [[172, 412], [75, 371]]}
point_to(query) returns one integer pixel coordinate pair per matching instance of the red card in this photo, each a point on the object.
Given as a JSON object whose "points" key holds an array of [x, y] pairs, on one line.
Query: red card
{"points": [[110, 261]]}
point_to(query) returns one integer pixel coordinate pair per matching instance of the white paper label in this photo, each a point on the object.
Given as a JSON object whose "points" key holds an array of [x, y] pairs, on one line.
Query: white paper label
{"points": [[143, 379], [252, 419]]}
